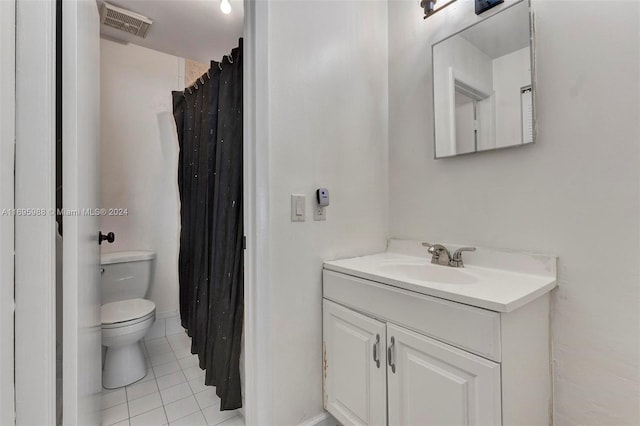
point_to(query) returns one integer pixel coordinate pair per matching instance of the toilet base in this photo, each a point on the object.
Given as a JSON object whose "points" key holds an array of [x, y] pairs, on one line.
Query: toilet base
{"points": [[123, 365]]}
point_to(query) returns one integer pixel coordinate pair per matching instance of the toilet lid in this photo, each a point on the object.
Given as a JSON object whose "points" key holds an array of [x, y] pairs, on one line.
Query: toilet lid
{"points": [[126, 310]]}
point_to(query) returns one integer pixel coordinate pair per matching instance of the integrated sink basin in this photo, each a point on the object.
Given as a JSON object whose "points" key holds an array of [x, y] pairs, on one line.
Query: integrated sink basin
{"points": [[497, 280], [428, 273]]}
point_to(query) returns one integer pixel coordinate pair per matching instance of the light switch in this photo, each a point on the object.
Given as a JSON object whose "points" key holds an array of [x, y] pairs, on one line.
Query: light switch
{"points": [[298, 204]]}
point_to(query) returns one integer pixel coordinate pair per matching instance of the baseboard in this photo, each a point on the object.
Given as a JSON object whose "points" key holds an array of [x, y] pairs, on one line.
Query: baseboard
{"points": [[166, 324], [322, 419], [166, 314]]}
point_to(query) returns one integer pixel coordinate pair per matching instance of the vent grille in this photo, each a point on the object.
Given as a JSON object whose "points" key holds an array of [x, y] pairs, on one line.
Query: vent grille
{"points": [[124, 20]]}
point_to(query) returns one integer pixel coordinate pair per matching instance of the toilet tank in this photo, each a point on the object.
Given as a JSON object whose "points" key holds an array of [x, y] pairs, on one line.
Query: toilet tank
{"points": [[126, 275]]}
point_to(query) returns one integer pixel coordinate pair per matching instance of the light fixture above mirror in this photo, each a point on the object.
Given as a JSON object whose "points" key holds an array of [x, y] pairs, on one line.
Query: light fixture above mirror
{"points": [[432, 6]]}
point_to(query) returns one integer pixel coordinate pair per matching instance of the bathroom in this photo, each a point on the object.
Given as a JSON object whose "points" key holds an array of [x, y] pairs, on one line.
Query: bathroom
{"points": [[339, 95]]}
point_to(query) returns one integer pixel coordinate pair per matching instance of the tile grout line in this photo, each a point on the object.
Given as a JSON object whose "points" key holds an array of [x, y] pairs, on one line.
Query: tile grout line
{"points": [[186, 381], [200, 409], [126, 398], [181, 369], [143, 396], [164, 410], [195, 393]]}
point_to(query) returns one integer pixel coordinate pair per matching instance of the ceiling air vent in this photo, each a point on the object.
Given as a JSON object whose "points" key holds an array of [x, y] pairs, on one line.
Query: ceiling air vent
{"points": [[124, 20]]}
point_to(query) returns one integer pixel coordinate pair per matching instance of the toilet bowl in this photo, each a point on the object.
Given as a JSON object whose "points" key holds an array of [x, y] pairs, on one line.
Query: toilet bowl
{"points": [[126, 316], [124, 324]]}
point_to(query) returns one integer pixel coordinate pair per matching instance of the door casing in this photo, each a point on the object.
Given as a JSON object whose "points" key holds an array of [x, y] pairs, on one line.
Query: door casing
{"points": [[35, 299], [7, 151], [35, 251]]}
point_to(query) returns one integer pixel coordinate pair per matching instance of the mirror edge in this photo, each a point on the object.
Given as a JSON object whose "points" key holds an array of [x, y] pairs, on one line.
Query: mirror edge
{"points": [[533, 83]]}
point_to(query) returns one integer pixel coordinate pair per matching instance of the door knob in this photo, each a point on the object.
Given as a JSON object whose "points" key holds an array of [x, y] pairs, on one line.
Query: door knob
{"points": [[110, 237]]}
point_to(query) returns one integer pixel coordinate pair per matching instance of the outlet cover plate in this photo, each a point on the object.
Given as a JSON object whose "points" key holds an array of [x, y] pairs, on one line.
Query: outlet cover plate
{"points": [[319, 212]]}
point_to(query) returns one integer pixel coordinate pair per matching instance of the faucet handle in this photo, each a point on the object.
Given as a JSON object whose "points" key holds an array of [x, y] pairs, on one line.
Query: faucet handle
{"points": [[457, 255], [439, 254], [429, 246]]}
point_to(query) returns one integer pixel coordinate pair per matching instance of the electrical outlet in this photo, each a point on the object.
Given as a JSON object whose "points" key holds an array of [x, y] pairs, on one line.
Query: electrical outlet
{"points": [[319, 213]]}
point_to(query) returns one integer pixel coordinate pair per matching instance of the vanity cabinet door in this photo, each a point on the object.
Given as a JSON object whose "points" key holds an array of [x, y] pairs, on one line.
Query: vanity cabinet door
{"points": [[354, 366], [434, 384]]}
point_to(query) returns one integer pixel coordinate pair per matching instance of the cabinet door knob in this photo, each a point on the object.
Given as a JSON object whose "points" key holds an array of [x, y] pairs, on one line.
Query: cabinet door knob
{"points": [[390, 359], [376, 358]]}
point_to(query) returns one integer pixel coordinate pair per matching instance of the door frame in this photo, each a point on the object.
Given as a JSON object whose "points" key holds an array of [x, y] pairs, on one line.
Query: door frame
{"points": [[35, 347], [258, 348], [7, 151], [35, 287]]}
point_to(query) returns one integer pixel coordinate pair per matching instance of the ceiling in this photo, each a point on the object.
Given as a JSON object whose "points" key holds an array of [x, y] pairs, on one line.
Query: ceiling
{"points": [[502, 33], [192, 29]]}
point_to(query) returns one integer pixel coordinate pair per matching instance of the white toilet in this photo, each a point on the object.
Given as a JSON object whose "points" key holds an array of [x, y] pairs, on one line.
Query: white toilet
{"points": [[126, 315]]}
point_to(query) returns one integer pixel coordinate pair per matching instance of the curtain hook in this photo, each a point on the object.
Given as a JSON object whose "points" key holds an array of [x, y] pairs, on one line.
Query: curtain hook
{"points": [[220, 65], [230, 58], [209, 75], [196, 85], [189, 89], [201, 80]]}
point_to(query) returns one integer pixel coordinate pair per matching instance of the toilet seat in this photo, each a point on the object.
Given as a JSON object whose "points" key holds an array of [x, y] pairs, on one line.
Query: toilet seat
{"points": [[128, 323], [128, 312]]}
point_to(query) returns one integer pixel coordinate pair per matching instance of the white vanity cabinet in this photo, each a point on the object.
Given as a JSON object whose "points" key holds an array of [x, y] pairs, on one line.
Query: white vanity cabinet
{"points": [[396, 357], [433, 384], [356, 389]]}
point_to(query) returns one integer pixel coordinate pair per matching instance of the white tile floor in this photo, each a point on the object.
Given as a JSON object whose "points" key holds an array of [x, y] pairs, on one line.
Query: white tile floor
{"points": [[172, 392]]}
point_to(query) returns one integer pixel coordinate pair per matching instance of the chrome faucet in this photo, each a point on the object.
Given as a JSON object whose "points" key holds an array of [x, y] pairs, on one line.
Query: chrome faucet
{"points": [[440, 255]]}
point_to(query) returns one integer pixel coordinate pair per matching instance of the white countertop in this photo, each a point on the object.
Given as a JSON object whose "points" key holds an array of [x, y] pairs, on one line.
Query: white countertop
{"points": [[480, 282]]}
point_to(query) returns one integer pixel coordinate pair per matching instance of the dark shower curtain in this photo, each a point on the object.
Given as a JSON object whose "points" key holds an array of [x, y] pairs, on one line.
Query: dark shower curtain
{"points": [[208, 118]]}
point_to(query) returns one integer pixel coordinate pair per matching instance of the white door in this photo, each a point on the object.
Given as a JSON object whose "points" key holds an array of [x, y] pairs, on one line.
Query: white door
{"points": [[465, 124], [354, 366], [81, 255], [434, 384]]}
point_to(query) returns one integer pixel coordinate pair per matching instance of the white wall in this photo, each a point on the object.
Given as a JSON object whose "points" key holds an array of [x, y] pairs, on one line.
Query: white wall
{"points": [[575, 193], [328, 127], [139, 158]]}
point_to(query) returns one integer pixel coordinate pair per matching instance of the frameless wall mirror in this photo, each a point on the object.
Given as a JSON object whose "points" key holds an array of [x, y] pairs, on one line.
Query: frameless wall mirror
{"points": [[483, 85]]}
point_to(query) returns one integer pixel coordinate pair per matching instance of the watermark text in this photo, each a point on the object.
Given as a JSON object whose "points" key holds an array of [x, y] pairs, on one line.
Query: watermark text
{"points": [[37, 212]]}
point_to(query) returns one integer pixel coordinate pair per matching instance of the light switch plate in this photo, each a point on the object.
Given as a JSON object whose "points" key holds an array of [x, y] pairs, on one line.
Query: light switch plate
{"points": [[298, 207], [319, 212]]}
